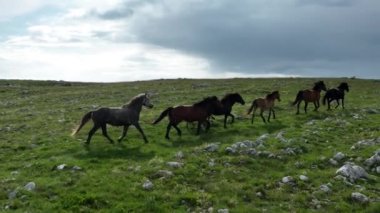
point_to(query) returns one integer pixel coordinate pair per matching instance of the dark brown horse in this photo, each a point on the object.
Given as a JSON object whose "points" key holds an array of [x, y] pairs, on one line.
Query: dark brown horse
{"points": [[226, 106], [127, 115], [310, 96], [335, 94], [264, 104], [197, 112]]}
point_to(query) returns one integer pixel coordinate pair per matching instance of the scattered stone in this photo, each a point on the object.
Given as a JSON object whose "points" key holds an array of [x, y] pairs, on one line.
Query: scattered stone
{"points": [[352, 172], [223, 210], [303, 178], [211, 163], [163, 174], [378, 170], [372, 111], [280, 137], [333, 162], [61, 167], [30, 186], [212, 147], [339, 156], [374, 160], [262, 138], [368, 142], [179, 155], [325, 188], [259, 194], [147, 185], [174, 164], [251, 151], [359, 197], [311, 122], [14, 172], [230, 150], [12, 194], [287, 179], [76, 168]]}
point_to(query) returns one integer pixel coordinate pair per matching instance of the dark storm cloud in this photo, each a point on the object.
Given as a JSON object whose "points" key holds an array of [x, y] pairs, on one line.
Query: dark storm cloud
{"points": [[305, 37]]}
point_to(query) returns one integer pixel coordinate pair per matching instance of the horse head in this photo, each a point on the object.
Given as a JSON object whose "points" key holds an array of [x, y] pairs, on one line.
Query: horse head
{"points": [[320, 85], [344, 86], [146, 101]]}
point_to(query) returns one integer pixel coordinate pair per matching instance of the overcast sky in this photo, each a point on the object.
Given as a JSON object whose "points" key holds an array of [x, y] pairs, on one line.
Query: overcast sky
{"points": [[126, 40]]}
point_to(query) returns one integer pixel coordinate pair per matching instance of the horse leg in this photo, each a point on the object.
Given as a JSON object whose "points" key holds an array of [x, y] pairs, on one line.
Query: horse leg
{"points": [[105, 134], [178, 130], [208, 125], [225, 120], [232, 117], [269, 114], [253, 114], [328, 104], [306, 103], [343, 103], [199, 127], [315, 106], [337, 103], [91, 133], [125, 129], [274, 116], [167, 131], [261, 114], [298, 107], [138, 127]]}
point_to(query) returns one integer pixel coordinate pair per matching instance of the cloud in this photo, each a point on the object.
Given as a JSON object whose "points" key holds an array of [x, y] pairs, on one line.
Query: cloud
{"points": [[123, 40]]}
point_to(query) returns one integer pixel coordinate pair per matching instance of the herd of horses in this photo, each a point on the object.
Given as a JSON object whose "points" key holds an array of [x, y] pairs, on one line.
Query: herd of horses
{"points": [[203, 110]]}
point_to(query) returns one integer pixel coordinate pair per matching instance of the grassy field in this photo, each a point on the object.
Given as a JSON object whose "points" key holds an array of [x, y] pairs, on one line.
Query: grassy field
{"points": [[36, 120]]}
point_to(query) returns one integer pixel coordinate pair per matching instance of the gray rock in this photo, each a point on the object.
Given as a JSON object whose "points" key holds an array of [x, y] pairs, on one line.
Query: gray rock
{"points": [[212, 147], [163, 174], [30, 186], [287, 179], [262, 138], [352, 172], [148, 185], [15, 172], [333, 162], [179, 155], [211, 163], [325, 188], [76, 168], [61, 167], [359, 197], [339, 156], [378, 170], [12, 194], [223, 210], [280, 137], [303, 178], [374, 160], [230, 150], [251, 151], [174, 164], [368, 142]]}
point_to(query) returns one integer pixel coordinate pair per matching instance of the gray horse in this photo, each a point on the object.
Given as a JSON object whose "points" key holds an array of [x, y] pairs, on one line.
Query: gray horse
{"points": [[127, 115]]}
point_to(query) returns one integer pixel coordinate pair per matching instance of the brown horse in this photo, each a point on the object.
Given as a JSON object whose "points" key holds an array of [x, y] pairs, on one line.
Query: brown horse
{"points": [[310, 96], [127, 115], [264, 104], [197, 112], [336, 94]]}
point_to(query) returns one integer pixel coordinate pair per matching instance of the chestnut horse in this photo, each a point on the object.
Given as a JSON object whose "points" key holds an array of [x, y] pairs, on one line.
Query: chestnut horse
{"points": [[226, 106], [264, 104], [310, 96], [127, 115], [197, 112], [335, 94]]}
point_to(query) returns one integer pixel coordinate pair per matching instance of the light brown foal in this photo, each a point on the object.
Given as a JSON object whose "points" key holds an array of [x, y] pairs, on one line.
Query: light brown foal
{"points": [[264, 104]]}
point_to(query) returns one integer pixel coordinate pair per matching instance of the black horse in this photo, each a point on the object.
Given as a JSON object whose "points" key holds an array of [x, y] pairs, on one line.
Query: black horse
{"points": [[226, 106], [336, 94], [127, 115]]}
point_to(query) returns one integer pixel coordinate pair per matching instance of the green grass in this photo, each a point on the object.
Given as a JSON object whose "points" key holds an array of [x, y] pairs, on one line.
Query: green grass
{"points": [[38, 117]]}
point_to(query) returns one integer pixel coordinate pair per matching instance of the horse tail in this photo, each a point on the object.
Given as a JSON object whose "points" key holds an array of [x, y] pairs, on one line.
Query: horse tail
{"points": [[84, 120], [163, 114], [298, 98], [254, 105]]}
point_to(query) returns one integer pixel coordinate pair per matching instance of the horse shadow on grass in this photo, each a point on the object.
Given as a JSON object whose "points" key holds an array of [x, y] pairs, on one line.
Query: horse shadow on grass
{"points": [[118, 151]]}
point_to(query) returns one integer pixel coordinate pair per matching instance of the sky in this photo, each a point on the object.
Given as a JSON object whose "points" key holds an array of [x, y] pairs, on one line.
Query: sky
{"points": [[129, 40]]}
